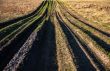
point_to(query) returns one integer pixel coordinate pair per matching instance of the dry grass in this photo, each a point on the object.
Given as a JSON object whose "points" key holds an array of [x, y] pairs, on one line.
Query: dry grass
{"points": [[64, 57], [96, 12], [10, 9], [92, 45], [97, 50]]}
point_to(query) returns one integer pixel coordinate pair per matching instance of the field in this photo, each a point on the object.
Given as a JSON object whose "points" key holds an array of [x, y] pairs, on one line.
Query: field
{"points": [[10, 9], [57, 36], [96, 12]]}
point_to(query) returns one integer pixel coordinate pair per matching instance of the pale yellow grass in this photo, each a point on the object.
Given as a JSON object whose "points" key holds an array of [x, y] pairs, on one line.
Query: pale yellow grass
{"points": [[96, 12]]}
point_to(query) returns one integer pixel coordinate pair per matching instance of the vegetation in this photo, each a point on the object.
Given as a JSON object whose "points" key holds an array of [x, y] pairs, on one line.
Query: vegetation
{"points": [[57, 36]]}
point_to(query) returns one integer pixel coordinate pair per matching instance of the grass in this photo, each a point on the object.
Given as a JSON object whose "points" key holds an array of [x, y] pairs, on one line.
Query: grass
{"points": [[93, 34], [10, 9], [88, 40], [64, 57], [99, 52], [32, 24], [92, 30], [17, 25], [89, 30], [82, 31], [98, 13], [8, 36]]}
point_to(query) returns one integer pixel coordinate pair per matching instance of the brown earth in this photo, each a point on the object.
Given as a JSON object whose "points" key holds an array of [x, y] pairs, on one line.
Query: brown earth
{"points": [[10, 9]]}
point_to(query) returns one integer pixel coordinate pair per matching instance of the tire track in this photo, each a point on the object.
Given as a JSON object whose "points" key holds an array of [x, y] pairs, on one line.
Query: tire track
{"points": [[20, 55], [8, 52], [64, 57], [53, 46], [101, 56], [99, 41], [5, 41], [83, 58], [42, 56]]}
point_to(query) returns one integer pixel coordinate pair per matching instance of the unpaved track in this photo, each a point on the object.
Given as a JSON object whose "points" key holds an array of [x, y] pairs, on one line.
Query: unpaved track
{"points": [[55, 46], [99, 52], [83, 58], [64, 56], [102, 58], [7, 53], [96, 35], [78, 17], [42, 55]]}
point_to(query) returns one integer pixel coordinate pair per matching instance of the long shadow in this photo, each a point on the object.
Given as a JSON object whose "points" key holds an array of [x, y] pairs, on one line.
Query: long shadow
{"points": [[8, 52], [4, 24], [40, 19], [98, 40], [86, 23], [102, 43], [42, 56], [82, 61]]}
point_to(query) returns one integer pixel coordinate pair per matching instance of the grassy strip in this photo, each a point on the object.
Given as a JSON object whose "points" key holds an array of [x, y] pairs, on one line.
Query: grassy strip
{"points": [[93, 31], [100, 38], [21, 54], [92, 45], [18, 58], [9, 29], [23, 27], [64, 56], [76, 22]]}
